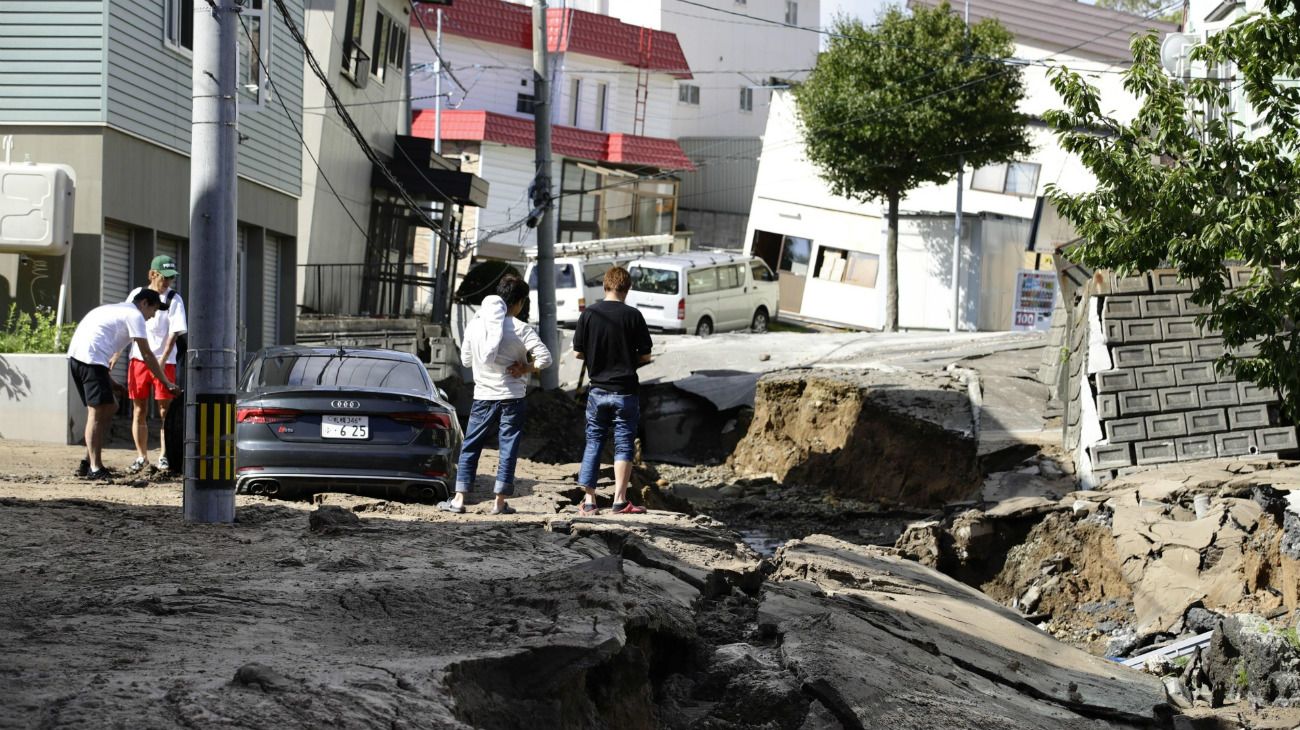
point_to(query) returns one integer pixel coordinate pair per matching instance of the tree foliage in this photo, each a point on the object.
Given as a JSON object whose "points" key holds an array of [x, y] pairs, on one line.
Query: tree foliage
{"points": [[896, 105], [1187, 184]]}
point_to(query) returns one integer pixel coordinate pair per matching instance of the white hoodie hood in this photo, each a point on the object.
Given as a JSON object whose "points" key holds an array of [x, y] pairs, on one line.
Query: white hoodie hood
{"points": [[487, 341]]}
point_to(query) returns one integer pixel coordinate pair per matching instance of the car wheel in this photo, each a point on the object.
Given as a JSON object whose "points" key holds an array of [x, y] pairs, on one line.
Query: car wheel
{"points": [[759, 323], [704, 328]]}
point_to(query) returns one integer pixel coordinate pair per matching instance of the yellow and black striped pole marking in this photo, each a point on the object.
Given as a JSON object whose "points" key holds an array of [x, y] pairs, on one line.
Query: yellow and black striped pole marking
{"points": [[215, 440]]}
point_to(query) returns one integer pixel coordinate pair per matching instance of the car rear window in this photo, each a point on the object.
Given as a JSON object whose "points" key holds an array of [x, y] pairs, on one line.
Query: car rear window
{"points": [[564, 277], [650, 280], [315, 370]]}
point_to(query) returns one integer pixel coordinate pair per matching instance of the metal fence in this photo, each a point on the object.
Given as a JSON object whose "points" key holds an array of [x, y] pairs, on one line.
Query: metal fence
{"points": [[365, 290]]}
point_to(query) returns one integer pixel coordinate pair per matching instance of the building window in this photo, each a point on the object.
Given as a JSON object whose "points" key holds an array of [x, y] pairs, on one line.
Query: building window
{"points": [[599, 202], [575, 101], [795, 253], [688, 94], [178, 24], [379, 49], [602, 105], [356, 62], [396, 45], [746, 99], [791, 12], [254, 42], [524, 103], [847, 267], [1012, 178]]}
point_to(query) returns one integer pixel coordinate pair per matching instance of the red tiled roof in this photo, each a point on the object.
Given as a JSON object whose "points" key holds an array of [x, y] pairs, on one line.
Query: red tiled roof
{"points": [[497, 21], [583, 144]]}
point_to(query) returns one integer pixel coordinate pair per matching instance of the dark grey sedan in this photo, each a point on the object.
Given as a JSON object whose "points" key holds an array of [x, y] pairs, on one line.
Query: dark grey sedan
{"points": [[365, 421]]}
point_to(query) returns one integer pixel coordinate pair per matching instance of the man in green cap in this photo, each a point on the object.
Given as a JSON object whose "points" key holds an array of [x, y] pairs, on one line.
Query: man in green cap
{"points": [[163, 330]]}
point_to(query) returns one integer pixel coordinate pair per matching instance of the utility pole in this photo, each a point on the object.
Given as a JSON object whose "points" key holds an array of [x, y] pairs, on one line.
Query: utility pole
{"points": [[542, 195], [956, 236], [211, 361], [437, 83]]}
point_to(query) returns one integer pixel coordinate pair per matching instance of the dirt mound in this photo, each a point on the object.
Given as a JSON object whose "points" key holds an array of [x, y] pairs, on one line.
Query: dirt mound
{"points": [[904, 438], [555, 433], [1069, 569]]}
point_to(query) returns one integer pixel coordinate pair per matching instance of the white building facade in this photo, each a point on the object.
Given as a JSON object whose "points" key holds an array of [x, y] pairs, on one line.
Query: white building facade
{"points": [[804, 232], [739, 53], [613, 159]]}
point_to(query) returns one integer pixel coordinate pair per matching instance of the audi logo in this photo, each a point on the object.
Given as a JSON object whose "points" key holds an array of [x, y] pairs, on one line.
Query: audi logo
{"points": [[345, 404]]}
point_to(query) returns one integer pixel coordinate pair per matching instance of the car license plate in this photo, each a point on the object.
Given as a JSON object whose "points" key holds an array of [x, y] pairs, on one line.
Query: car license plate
{"points": [[345, 427]]}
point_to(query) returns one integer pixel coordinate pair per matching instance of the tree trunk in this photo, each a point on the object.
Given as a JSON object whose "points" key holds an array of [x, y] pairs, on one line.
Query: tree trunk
{"points": [[891, 266]]}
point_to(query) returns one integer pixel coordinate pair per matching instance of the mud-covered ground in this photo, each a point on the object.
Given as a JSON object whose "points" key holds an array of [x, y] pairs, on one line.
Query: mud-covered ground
{"points": [[359, 613]]}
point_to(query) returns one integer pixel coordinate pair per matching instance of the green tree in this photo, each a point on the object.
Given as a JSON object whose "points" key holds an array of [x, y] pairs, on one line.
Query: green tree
{"points": [[896, 105], [1187, 184]]}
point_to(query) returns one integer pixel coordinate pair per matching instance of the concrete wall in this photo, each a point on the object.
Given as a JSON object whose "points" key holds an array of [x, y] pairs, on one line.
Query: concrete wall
{"points": [[39, 400]]}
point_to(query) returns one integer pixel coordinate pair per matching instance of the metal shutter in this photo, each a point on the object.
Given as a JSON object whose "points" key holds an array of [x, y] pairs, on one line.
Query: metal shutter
{"points": [[115, 263], [115, 277], [271, 291], [241, 296]]}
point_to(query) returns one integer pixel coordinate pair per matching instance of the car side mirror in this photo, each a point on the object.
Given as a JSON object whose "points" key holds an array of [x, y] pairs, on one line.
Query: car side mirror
{"points": [[441, 393]]}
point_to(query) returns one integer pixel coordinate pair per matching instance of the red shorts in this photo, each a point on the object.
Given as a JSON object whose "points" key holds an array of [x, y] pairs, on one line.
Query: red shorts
{"points": [[139, 379]]}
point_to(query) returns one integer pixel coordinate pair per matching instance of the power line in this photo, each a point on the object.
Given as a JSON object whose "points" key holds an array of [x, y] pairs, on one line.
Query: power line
{"points": [[298, 131], [369, 152], [418, 12]]}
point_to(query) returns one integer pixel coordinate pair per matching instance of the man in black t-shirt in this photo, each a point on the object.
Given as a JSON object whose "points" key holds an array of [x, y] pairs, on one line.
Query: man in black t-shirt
{"points": [[613, 340]]}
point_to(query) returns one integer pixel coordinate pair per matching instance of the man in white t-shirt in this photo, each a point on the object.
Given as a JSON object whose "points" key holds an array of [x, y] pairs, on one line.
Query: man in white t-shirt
{"points": [[100, 335], [167, 325]]}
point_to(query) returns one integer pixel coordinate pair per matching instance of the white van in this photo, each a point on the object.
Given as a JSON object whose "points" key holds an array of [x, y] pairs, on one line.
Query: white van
{"points": [[703, 292], [578, 282]]}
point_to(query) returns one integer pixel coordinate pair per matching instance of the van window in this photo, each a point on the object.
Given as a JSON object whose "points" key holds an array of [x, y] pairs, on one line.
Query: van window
{"points": [[653, 281], [731, 277], [761, 272], [594, 274], [564, 277], [699, 281]]}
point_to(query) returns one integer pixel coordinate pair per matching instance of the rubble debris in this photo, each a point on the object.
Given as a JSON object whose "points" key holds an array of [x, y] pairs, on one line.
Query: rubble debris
{"points": [[328, 519], [901, 438], [1249, 658], [882, 641], [555, 432]]}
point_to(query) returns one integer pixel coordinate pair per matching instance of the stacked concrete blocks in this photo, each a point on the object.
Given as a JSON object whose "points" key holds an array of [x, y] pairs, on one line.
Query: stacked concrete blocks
{"points": [[1163, 399]]}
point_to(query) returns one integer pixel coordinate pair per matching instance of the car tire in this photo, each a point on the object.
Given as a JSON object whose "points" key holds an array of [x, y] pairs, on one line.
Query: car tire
{"points": [[760, 321], [704, 328]]}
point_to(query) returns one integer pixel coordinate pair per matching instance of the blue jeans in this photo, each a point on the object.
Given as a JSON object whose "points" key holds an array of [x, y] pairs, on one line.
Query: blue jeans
{"points": [[606, 409], [507, 416]]}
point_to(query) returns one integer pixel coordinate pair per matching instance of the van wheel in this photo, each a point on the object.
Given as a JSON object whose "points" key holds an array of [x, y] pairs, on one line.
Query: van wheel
{"points": [[759, 323], [704, 328]]}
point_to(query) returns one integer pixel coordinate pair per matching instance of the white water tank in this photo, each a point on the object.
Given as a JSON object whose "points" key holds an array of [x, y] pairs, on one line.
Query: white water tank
{"points": [[36, 206]]}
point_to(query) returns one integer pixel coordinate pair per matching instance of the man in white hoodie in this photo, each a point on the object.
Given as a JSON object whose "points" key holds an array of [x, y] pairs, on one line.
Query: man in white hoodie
{"points": [[503, 352]]}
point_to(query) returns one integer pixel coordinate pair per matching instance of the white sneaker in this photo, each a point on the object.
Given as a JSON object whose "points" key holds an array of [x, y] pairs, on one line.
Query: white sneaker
{"points": [[163, 463], [137, 465]]}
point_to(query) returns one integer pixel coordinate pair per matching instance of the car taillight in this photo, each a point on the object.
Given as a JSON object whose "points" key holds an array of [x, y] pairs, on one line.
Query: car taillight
{"points": [[582, 304], [266, 415], [424, 420], [681, 308]]}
